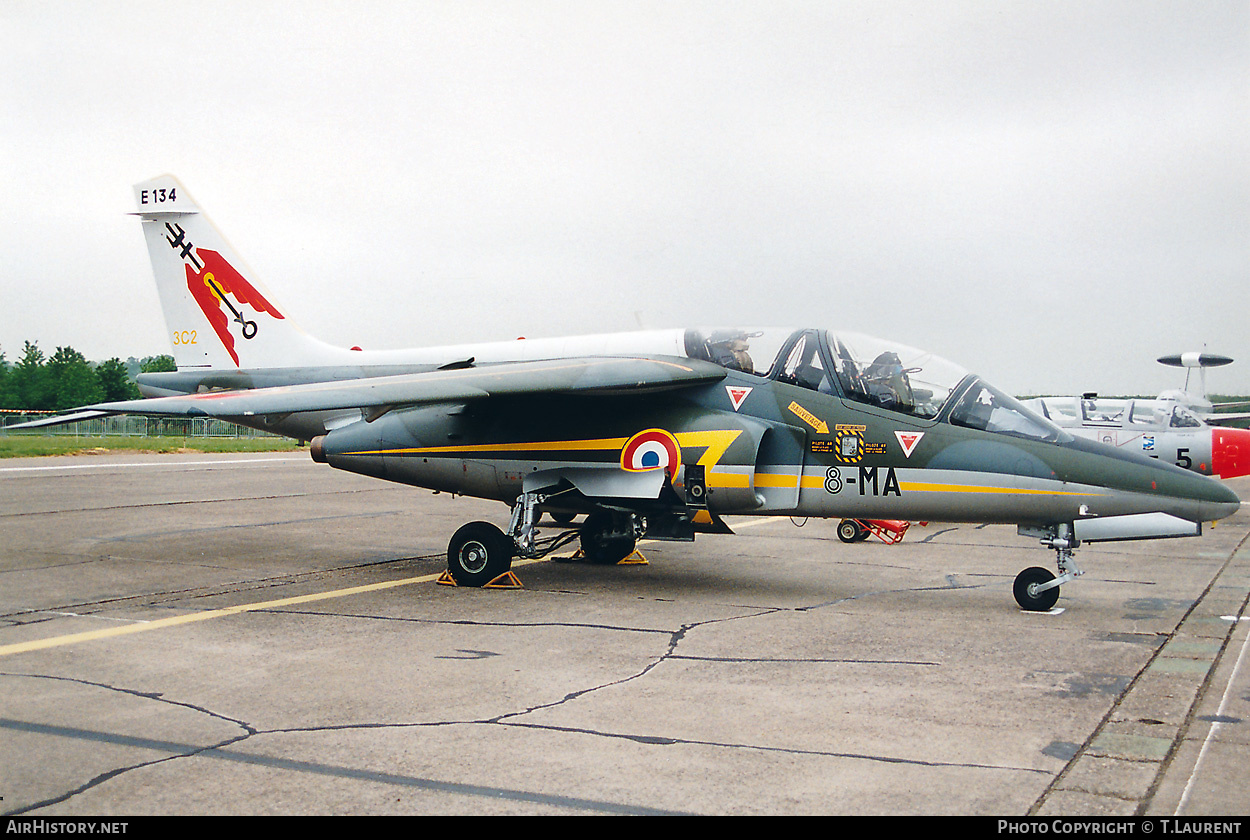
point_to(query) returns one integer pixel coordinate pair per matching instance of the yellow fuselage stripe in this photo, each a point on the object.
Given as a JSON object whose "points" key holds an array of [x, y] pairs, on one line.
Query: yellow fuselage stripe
{"points": [[716, 442], [812, 482], [921, 487]]}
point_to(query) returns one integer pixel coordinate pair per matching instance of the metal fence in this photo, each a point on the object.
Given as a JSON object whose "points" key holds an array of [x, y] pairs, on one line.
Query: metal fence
{"points": [[131, 425]]}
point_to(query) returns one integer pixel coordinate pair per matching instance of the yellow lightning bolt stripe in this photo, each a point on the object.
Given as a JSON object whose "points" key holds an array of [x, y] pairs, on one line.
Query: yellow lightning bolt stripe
{"points": [[715, 441]]}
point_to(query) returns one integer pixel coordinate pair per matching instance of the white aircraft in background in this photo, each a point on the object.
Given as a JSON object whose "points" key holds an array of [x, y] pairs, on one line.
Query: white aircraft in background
{"points": [[1179, 426], [1157, 428], [1199, 403]]}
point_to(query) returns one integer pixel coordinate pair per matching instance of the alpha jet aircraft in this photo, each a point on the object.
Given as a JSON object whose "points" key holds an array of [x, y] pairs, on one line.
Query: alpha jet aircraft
{"points": [[654, 434]]}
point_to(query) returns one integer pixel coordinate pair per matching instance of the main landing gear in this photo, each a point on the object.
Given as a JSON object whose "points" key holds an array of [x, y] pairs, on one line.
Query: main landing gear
{"points": [[1036, 589], [480, 552]]}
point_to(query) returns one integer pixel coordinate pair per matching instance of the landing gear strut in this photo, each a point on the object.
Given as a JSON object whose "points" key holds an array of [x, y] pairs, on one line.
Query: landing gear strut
{"points": [[1036, 589], [479, 552]]}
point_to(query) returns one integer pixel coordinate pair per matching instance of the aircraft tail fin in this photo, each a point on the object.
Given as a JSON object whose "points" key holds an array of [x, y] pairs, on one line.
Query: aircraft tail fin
{"points": [[217, 313]]}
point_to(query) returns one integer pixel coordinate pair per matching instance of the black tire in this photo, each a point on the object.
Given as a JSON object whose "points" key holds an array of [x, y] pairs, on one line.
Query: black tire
{"points": [[1035, 602], [478, 553], [597, 544], [563, 517], [849, 531]]}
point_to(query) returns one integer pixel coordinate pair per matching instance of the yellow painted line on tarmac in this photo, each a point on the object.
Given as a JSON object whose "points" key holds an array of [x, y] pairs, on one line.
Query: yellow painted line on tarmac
{"points": [[207, 615], [191, 618]]}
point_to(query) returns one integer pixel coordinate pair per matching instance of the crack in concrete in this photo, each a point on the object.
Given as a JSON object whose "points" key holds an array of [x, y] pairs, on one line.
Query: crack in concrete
{"points": [[180, 750], [508, 719]]}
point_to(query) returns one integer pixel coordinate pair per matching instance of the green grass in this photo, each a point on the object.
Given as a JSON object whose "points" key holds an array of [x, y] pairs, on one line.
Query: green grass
{"points": [[31, 446]]}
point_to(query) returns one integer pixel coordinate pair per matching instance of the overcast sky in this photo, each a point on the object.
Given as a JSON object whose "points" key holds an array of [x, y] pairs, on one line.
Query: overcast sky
{"points": [[1051, 194]]}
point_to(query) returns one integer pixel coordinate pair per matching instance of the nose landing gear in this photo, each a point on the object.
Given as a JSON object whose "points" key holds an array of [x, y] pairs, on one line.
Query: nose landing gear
{"points": [[1036, 589]]}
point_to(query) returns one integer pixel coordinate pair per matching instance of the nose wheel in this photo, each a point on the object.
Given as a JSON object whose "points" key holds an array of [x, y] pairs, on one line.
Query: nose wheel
{"points": [[1029, 591], [1036, 589]]}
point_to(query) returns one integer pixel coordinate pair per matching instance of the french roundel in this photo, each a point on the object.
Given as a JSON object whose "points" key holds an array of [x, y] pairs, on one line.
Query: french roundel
{"points": [[654, 449]]}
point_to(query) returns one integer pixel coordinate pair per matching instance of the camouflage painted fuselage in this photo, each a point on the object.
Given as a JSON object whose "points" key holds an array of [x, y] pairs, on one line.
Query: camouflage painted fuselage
{"points": [[783, 449]]}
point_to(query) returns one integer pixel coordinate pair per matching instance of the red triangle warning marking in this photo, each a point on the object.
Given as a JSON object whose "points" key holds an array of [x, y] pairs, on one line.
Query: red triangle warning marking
{"points": [[908, 441], [737, 394]]}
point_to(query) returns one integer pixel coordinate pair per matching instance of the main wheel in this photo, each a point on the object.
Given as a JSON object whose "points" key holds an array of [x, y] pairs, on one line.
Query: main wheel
{"points": [[599, 542], [1027, 581], [850, 531], [478, 553]]}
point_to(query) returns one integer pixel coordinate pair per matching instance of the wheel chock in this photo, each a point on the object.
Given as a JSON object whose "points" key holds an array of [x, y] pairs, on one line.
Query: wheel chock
{"points": [[635, 559], [507, 580]]}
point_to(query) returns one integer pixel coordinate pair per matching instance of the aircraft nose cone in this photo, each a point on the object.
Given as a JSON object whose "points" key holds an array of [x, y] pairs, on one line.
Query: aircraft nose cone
{"points": [[1198, 498], [1230, 452], [1217, 501]]}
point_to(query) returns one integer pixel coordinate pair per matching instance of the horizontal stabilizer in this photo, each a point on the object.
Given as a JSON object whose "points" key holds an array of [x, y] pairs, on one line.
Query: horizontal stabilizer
{"points": [[60, 419]]}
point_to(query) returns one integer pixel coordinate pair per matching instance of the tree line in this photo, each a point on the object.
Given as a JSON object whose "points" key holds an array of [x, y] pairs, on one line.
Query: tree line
{"points": [[36, 382]]}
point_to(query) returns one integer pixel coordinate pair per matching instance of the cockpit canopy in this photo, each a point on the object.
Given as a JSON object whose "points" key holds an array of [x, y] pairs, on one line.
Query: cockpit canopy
{"points": [[1092, 410], [871, 371]]}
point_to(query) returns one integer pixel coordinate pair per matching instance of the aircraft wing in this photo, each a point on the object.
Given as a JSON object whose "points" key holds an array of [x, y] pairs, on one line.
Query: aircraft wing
{"points": [[1220, 418], [376, 395]]}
